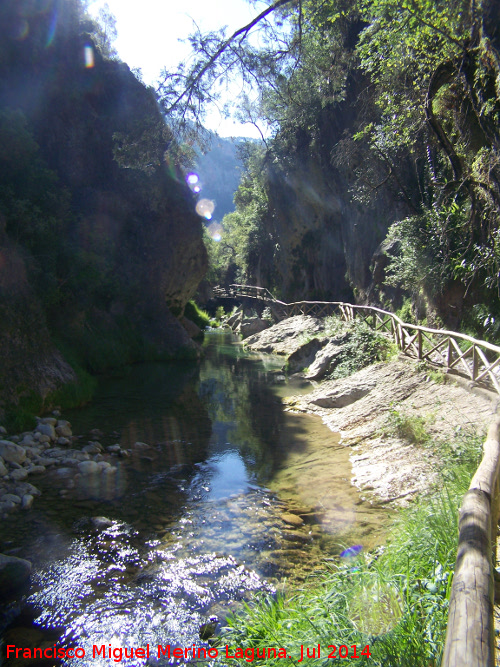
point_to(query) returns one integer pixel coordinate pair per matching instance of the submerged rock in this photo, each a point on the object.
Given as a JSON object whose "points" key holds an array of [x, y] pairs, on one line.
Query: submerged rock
{"points": [[88, 467], [27, 501], [140, 445], [292, 519], [101, 522]]}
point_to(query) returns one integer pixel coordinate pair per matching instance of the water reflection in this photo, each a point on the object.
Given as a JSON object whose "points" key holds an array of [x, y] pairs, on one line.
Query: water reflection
{"points": [[219, 503], [228, 476]]}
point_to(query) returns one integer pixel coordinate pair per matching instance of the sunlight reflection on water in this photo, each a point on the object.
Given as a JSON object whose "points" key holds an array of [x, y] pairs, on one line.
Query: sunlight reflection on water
{"points": [[189, 531]]}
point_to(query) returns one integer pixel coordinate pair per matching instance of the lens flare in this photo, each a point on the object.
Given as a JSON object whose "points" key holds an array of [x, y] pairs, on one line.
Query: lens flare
{"points": [[205, 208], [352, 551], [375, 607], [52, 29], [215, 230], [21, 30], [193, 181], [88, 56]]}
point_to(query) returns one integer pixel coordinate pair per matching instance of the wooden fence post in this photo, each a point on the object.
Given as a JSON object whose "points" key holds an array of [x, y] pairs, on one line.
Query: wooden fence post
{"points": [[470, 638], [449, 353]]}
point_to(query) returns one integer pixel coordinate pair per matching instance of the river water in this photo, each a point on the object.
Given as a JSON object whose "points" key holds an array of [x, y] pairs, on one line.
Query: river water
{"points": [[233, 496]]}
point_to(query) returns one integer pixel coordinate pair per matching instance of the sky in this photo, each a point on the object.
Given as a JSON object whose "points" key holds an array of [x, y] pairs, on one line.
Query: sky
{"points": [[149, 32]]}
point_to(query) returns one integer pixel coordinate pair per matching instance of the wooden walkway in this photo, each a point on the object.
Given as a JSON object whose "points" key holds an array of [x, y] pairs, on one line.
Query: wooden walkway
{"points": [[477, 360]]}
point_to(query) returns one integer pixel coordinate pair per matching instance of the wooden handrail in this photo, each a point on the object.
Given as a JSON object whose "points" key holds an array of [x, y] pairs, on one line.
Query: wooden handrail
{"points": [[470, 636], [438, 346]]}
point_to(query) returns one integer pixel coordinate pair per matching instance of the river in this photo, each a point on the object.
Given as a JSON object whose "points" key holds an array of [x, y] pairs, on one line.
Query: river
{"points": [[232, 496]]}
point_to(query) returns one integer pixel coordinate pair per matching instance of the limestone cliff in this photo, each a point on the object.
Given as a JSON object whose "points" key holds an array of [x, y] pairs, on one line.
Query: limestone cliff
{"points": [[102, 231], [327, 225]]}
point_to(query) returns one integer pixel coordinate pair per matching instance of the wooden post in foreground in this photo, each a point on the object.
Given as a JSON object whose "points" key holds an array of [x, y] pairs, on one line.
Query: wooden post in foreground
{"points": [[470, 640]]}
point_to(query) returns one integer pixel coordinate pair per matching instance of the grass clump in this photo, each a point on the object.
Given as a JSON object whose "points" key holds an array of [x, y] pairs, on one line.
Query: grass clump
{"points": [[436, 375], [412, 428], [74, 394], [21, 417], [394, 600]]}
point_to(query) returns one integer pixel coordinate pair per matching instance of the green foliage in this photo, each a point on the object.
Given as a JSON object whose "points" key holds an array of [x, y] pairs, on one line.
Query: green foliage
{"points": [[436, 375], [431, 250], [32, 204], [143, 146], [220, 313], [74, 394], [362, 348], [244, 252], [413, 52], [483, 321], [405, 313], [104, 32], [102, 347], [21, 417], [194, 313], [77, 393]]}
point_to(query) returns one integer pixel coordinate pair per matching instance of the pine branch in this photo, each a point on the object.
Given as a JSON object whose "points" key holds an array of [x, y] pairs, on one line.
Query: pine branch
{"points": [[242, 31]]}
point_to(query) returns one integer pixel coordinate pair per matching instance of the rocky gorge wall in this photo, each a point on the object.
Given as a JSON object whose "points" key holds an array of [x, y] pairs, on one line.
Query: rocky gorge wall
{"points": [[99, 239], [329, 227]]}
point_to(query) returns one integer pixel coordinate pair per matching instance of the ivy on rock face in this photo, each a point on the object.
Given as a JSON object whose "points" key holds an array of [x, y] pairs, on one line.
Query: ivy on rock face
{"points": [[436, 69]]}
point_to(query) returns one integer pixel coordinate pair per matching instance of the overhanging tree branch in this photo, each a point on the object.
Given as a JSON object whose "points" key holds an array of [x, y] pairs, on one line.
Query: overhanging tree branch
{"points": [[215, 56]]}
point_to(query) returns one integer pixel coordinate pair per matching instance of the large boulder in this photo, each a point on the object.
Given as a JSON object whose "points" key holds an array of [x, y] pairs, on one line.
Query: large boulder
{"points": [[347, 393], [192, 329], [325, 361], [304, 356], [252, 325], [235, 319], [287, 336], [14, 572]]}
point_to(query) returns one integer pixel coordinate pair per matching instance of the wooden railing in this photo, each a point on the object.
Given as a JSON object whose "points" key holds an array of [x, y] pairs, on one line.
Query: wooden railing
{"points": [[248, 291], [477, 360], [470, 636]]}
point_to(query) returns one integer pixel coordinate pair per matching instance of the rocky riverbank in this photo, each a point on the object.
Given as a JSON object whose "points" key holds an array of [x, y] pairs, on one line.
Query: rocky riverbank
{"points": [[51, 448], [393, 415]]}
